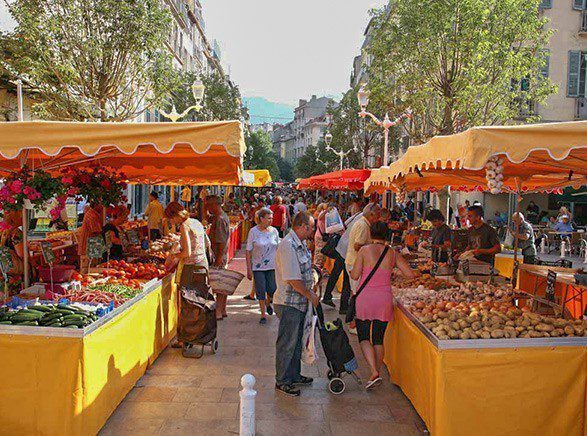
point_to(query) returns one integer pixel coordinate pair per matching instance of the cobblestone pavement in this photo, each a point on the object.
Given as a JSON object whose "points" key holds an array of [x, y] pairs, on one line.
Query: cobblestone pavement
{"points": [[201, 396]]}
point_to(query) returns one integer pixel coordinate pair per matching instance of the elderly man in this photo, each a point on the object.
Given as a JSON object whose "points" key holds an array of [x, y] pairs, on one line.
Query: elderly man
{"points": [[525, 237], [295, 280], [360, 235]]}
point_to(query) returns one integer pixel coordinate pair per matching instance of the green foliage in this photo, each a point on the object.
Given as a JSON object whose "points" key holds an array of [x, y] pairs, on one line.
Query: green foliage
{"points": [[221, 100], [90, 59], [286, 171], [458, 63], [350, 131], [260, 155], [311, 163]]}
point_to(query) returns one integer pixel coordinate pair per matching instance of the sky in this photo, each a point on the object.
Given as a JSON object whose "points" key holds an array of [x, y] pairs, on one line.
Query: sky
{"points": [[284, 50]]}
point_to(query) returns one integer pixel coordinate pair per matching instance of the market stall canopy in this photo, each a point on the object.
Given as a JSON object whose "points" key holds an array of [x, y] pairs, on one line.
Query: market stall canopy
{"points": [[203, 153], [535, 157], [256, 178], [346, 180]]}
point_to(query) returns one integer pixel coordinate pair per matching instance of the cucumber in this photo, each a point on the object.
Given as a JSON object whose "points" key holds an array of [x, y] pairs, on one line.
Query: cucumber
{"points": [[71, 326], [74, 318], [41, 308], [50, 316], [5, 322], [30, 312], [24, 317], [54, 324], [31, 323], [79, 323], [66, 311], [51, 321]]}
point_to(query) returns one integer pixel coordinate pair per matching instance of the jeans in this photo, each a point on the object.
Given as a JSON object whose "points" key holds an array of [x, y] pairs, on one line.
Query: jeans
{"points": [[288, 353], [337, 269]]}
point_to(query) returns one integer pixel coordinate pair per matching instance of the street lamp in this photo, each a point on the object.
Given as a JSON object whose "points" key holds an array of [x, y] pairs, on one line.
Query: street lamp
{"points": [[341, 154], [363, 98], [198, 90]]}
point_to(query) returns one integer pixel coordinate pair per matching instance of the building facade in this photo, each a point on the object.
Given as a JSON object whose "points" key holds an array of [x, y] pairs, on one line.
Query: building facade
{"points": [[567, 60], [308, 127]]}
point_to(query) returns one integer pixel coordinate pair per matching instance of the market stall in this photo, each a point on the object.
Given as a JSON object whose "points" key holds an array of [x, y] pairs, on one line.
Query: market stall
{"points": [[343, 180], [473, 359], [81, 339], [256, 178], [507, 369]]}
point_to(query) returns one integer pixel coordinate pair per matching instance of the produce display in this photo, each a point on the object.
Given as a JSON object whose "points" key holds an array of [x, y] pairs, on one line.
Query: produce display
{"points": [[60, 315], [427, 281], [132, 271], [103, 293], [482, 311]]}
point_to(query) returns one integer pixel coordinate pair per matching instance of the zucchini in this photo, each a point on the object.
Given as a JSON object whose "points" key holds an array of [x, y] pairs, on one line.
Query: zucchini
{"points": [[80, 323], [74, 318], [50, 316], [7, 322], [24, 317], [41, 308], [66, 311], [71, 326], [30, 312], [54, 324]]}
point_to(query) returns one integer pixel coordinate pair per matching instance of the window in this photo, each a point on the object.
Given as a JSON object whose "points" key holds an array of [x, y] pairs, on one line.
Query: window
{"points": [[580, 4], [576, 74], [544, 71], [545, 4]]}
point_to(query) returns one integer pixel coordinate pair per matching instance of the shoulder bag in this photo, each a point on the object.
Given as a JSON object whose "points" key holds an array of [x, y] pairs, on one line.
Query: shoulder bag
{"points": [[352, 310]]}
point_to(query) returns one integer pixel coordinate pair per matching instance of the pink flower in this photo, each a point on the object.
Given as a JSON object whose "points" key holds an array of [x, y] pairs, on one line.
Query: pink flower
{"points": [[31, 193], [66, 180], [16, 186], [5, 192], [72, 192], [5, 226], [10, 200]]}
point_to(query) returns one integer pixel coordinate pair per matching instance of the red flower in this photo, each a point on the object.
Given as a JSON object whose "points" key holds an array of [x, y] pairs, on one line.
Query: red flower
{"points": [[105, 183], [85, 178]]}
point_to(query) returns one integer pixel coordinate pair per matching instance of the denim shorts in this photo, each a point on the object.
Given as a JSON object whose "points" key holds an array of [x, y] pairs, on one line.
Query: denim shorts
{"points": [[264, 283]]}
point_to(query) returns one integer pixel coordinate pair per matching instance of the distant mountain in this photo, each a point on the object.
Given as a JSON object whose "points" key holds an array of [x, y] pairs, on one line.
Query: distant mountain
{"points": [[265, 111]]}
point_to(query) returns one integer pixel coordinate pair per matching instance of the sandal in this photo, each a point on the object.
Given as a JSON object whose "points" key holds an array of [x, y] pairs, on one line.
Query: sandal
{"points": [[373, 383]]}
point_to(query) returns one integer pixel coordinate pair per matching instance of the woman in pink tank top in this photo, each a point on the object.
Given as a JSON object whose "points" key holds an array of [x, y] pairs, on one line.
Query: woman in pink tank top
{"points": [[375, 302]]}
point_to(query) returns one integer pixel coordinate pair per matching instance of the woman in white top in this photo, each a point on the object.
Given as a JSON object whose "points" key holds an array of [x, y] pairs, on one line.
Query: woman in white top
{"points": [[261, 249]]}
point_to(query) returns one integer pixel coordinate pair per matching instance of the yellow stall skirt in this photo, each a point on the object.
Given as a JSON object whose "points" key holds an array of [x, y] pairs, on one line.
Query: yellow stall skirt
{"points": [[71, 385], [523, 391]]}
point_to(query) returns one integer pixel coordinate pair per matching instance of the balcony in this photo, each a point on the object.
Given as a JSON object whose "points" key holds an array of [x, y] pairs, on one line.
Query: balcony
{"points": [[583, 27], [180, 11], [581, 108]]}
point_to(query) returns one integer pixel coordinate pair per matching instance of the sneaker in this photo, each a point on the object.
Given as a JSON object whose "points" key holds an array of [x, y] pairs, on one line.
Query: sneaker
{"points": [[269, 309], [303, 381], [288, 390], [263, 321], [248, 297], [329, 303]]}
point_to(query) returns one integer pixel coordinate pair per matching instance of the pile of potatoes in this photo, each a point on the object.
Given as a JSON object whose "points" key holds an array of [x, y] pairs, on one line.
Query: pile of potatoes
{"points": [[426, 281], [494, 324]]}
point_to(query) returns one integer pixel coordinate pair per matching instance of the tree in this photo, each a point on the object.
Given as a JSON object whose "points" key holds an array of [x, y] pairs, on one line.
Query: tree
{"points": [[260, 155], [311, 163], [350, 131], [90, 59], [222, 101], [458, 63], [286, 171]]}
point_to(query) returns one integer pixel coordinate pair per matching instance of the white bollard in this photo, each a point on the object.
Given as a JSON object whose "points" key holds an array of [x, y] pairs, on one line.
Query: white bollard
{"points": [[563, 248], [247, 412], [543, 246]]}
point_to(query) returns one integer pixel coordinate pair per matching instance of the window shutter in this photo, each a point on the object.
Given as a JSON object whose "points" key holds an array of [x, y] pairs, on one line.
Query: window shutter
{"points": [[573, 76], [544, 71], [578, 4], [545, 4]]}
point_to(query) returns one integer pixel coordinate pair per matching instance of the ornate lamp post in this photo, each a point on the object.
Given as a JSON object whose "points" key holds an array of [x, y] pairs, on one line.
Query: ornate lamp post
{"points": [[198, 90], [363, 97], [341, 154]]}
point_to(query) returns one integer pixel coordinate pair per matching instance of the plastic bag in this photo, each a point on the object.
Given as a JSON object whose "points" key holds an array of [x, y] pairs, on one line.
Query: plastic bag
{"points": [[334, 223], [509, 239], [309, 354]]}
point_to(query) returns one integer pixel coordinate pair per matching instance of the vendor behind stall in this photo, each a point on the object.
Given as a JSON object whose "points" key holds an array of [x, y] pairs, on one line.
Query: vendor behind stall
{"points": [[154, 213], [91, 226], [113, 231], [12, 239], [440, 237], [525, 237], [483, 239]]}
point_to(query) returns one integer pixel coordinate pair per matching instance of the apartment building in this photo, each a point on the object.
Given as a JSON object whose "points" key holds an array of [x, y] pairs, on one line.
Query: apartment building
{"points": [[283, 139], [567, 65], [308, 126]]}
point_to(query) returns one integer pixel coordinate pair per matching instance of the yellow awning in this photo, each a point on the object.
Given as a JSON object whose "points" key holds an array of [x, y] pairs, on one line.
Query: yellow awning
{"points": [[203, 153], [537, 156], [256, 178]]}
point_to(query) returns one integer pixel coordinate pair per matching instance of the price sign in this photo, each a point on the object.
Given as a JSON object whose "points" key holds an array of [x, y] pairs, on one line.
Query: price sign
{"points": [[465, 267], [47, 251], [96, 247], [133, 237], [550, 285], [5, 260]]}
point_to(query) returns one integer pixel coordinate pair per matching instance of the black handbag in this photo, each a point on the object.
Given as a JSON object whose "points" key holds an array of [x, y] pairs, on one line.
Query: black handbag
{"points": [[329, 249], [352, 310]]}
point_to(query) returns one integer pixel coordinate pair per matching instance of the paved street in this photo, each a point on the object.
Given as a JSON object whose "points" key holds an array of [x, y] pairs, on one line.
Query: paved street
{"points": [[189, 396]]}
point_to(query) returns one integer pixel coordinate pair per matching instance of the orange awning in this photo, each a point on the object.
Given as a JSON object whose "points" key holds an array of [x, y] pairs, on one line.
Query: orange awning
{"points": [[535, 157], [345, 180], [206, 153]]}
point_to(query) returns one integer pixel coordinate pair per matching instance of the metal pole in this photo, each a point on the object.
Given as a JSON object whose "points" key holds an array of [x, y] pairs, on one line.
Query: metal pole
{"points": [[385, 147], [341, 160], [517, 229], [25, 256], [448, 205]]}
